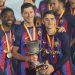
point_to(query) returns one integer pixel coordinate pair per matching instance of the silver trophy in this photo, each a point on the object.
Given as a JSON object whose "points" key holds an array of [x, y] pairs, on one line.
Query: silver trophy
{"points": [[34, 48]]}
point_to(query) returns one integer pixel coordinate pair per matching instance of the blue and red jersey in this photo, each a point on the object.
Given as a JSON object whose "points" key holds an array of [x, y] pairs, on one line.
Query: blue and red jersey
{"points": [[43, 7], [73, 13], [21, 39], [59, 58], [73, 46], [6, 67], [67, 21]]}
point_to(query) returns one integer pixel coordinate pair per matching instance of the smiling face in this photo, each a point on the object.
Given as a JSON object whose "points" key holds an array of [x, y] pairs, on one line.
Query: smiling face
{"points": [[50, 23], [55, 5], [8, 18], [28, 15]]}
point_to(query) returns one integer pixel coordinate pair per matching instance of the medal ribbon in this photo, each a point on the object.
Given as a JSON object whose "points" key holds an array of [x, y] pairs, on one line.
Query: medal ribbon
{"points": [[51, 44], [61, 14], [52, 47], [7, 42], [59, 18], [34, 32]]}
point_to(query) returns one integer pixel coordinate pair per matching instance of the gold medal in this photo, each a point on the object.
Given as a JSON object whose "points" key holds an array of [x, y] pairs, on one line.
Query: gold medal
{"points": [[9, 55]]}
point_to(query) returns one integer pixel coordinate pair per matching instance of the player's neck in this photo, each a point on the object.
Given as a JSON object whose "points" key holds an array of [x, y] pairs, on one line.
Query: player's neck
{"points": [[29, 24], [49, 32], [6, 28], [60, 11]]}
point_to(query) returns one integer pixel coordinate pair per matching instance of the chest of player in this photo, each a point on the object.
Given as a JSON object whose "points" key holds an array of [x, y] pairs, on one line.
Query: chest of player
{"points": [[31, 35], [10, 38], [53, 47]]}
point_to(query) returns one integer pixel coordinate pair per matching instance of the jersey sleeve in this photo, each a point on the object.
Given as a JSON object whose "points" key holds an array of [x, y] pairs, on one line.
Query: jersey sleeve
{"points": [[17, 36]]}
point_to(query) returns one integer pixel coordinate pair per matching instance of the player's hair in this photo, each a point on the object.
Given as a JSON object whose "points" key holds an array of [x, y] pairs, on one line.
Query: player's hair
{"points": [[26, 5], [49, 12], [5, 10]]}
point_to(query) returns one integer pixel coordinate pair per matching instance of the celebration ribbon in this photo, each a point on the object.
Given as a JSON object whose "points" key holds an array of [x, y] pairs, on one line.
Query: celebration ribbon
{"points": [[7, 42], [34, 32]]}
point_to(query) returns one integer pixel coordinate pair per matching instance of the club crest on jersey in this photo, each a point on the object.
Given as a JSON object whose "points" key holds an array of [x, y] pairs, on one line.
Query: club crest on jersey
{"points": [[56, 44], [61, 21], [39, 33]]}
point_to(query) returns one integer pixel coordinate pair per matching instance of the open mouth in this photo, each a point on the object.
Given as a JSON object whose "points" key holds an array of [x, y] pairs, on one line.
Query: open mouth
{"points": [[9, 21]]}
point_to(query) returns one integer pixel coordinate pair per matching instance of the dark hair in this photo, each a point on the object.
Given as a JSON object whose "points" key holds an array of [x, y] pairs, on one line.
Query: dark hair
{"points": [[26, 5], [49, 12], [48, 1], [5, 10]]}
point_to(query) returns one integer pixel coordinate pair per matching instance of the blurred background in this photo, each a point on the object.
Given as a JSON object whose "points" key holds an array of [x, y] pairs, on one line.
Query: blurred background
{"points": [[16, 5]]}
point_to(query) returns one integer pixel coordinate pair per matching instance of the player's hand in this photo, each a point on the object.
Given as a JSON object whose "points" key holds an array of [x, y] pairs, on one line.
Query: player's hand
{"points": [[61, 29], [46, 69], [33, 58]]}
